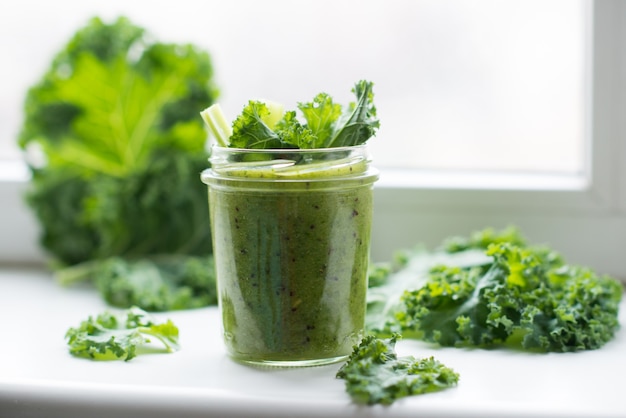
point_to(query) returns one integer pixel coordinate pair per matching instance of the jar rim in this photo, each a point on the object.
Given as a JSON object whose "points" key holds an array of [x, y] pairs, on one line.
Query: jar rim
{"points": [[289, 150], [216, 180], [292, 165]]}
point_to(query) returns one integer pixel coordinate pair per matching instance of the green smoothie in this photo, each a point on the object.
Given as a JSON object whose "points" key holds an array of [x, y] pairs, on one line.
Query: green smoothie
{"points": [[291, 244], [291, 210]]}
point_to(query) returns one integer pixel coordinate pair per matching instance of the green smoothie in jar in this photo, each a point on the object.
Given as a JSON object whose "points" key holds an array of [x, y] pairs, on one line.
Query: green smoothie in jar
{"points": [[291, 231]]}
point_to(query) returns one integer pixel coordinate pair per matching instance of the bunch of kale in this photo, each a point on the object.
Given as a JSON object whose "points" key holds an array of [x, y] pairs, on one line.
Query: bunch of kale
{"points": [[494, 289], [119, 147]]}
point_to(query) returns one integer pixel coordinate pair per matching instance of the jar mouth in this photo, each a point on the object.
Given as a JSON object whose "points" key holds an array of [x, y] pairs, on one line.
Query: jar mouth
{"points": [[294, 150], [224, 155], [288, 164], [308, 184]]}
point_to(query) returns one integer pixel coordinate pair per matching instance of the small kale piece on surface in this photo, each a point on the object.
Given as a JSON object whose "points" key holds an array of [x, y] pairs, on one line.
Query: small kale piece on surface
{"points": [[374, 374], [112, 337]]}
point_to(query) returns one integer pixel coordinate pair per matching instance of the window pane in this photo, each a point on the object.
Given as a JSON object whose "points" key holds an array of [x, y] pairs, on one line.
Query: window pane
{"points": [[485, 84]]}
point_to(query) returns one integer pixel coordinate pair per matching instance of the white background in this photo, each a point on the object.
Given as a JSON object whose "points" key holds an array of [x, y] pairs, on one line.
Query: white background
{"points": [[482, 84]]}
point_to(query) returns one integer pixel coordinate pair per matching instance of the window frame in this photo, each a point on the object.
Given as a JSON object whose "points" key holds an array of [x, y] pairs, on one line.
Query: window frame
{"points": [[409, 202], [596, 190], [584, 217]]}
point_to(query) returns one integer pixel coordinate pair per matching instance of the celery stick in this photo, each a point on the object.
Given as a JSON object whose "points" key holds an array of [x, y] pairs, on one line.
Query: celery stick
{"points": [[217, 124]]}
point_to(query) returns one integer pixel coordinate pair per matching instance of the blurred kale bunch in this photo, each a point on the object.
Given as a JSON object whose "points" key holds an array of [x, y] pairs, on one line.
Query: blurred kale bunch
{"points": [[115, 118]]}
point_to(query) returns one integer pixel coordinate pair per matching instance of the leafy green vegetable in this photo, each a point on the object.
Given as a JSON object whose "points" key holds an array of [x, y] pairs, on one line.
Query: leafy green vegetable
{"points": [[153, 284], [320, 115], [375, 374], [388, 282], [251, 131], [115, 118], [326, 123], [359, 123], [523, 296], [483, 238], [293, 132], [110, 337]]}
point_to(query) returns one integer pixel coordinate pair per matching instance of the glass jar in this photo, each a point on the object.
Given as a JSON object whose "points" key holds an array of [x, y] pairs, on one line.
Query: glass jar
{"points": [[291, 234]]}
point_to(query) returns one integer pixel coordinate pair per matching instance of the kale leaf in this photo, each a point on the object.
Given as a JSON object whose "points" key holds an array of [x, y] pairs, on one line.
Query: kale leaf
{"points": [[115, 118], [250, 129], [326, 124], [155, 284], [110, 337], [359, 123], [320, 115], [375, 374], [516, 295]]}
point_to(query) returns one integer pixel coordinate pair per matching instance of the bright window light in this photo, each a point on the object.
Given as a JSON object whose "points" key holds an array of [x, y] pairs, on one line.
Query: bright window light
{"points": [[480, 85]]}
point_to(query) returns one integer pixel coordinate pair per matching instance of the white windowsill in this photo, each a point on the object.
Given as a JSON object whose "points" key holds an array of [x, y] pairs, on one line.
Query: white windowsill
{"points": [[200, 380]]}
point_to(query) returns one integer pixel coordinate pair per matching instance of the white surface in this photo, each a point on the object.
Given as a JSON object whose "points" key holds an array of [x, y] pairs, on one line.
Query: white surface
{"points": [[38, 377]]}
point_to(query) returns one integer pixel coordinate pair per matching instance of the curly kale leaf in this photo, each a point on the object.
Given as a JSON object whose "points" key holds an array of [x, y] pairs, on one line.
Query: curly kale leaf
{"points": [[115, 118], [48, 117], [375, 374], [164, 283], [250, 129], [293, 132], [56, 197], [141, 96], [159, 285], [527, 298], [321, 115], [359, 123], [408, 272], [326, 124], [483, 238], [489, 289], [159, 209], [110, 337]]}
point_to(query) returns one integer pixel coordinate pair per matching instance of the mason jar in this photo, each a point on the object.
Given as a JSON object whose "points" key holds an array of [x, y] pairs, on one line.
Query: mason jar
{"points": [[291, 236]]}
